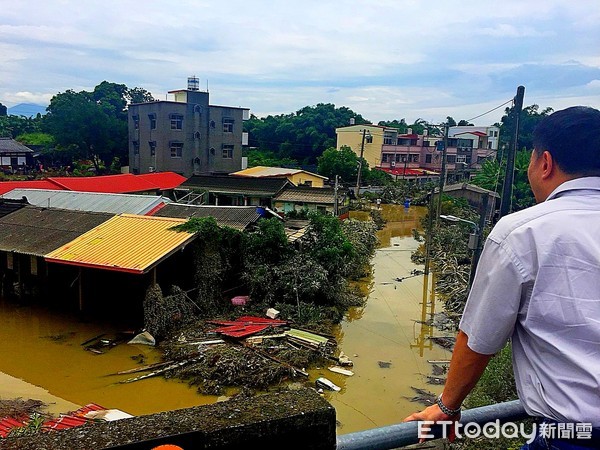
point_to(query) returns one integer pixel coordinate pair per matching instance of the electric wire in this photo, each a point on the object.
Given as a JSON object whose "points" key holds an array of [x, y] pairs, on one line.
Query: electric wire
{"points": [[494, 109]]}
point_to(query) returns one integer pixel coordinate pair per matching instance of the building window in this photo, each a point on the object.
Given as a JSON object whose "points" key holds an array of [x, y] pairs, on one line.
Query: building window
{"points": [[136, 147], [212, 124], [428, 158], [451, 159], [136, 122], [228, 125], [384, 157], [176, 149], [415, 158], [176, 122], [227, 151], [152, 118], [152, 145]]}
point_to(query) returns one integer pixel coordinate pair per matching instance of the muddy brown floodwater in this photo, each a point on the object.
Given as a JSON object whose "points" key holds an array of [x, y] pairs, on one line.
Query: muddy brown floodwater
{"points": [[41, 354]]}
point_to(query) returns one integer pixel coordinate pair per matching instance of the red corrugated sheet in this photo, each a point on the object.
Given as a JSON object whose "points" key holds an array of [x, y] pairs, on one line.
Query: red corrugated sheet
{"points": [[245, 325], [72, 419], [8, 423]]}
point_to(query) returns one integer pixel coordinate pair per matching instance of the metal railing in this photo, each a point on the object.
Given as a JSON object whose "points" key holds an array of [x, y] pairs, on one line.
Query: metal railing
{"points": [[403, 434]]}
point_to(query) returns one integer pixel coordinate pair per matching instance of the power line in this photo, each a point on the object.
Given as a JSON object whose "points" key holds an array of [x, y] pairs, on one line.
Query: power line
{"points": [[494, 109]]}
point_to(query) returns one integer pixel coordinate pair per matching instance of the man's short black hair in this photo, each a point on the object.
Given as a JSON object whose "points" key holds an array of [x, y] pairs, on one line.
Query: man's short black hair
{"points": [[572, 136]]}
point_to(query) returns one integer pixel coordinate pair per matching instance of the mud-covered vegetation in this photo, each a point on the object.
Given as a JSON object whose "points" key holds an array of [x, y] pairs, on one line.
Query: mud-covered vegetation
{"points": [[307, 283]]}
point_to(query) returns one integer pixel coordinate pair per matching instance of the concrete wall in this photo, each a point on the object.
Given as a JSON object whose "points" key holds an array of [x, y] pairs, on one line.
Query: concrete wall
{"points": [[299, 419]]}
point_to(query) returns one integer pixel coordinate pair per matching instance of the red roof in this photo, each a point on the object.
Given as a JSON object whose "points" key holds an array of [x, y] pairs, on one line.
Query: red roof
{"points": [[476, 133], [164, 180], [398, 171], [7, 186], [126, 183]]}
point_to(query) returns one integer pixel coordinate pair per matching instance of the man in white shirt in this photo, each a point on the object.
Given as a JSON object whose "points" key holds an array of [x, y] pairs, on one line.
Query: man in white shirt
{"points": [[538, 284]]}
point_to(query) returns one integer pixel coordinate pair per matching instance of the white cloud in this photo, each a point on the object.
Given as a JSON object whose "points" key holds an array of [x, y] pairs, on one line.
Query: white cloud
{"points": [[385, 59]]}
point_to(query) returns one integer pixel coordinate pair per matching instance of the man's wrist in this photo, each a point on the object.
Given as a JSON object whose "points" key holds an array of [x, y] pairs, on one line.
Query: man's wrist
{"points": [[448, 411]]}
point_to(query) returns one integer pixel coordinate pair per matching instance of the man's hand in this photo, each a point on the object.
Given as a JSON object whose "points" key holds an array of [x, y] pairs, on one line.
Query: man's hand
{"points": [[433, 413]]}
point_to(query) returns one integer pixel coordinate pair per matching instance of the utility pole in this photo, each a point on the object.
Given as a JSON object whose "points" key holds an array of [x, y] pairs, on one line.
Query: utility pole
{"points": [[442, 172], [335, 197], [505, 204], [362, 151], [477, 251]]}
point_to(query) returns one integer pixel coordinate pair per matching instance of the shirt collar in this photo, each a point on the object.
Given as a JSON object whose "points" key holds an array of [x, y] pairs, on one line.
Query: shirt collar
{"points": [[584, 183]]}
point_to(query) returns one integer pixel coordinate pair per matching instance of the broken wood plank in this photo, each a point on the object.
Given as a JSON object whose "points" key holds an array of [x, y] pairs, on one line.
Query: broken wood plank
{"points": [[341, 370], [162, 370]]}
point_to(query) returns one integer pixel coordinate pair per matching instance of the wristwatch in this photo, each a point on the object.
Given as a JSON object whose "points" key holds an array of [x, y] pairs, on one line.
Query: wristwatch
{"points": [[444, 408]]}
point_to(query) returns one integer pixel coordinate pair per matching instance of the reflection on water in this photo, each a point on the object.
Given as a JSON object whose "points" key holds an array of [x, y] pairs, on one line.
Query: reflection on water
{"points": [[385, 339]]}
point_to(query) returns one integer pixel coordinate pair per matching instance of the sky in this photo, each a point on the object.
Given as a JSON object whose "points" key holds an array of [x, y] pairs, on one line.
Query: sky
{"points": [[383, 59]]}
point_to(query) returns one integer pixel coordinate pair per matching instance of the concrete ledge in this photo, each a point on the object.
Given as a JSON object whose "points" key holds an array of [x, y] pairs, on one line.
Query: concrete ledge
{"points": [[298, 419]]}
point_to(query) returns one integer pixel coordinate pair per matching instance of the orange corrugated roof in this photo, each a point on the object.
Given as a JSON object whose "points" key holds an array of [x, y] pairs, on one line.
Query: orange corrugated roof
{"points": [[125, 243]]}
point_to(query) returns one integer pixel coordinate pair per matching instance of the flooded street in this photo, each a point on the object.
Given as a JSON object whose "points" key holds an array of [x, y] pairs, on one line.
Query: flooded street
{"points": [[41, 354], [389, 349]]}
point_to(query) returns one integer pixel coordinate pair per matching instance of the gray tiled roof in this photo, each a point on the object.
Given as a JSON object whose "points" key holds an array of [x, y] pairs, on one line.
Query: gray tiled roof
{"points": [[37, 231], [9, 145], [306, 194], [468, 187], [225, 184], [238, 217]]}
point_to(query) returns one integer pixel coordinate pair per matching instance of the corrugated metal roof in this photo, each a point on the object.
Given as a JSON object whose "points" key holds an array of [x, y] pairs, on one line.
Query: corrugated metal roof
{"points": [[125, 243], [306, 195], [117, 184], [90, 201], [263, 187], [468, 187], [164, 180], [238, 217], [264, 171], [7, 186], [36, 231]]}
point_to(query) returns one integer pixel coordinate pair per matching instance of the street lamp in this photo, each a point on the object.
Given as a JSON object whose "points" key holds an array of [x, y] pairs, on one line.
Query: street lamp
{"points": [[473, 237], [472, 245]]}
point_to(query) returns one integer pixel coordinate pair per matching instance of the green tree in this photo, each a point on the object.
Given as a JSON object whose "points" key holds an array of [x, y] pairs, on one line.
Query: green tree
{"points": [[92, 125], [342, 162], [13, 126], [491, 176], [269, 159], [528, 120], [303, 135]]}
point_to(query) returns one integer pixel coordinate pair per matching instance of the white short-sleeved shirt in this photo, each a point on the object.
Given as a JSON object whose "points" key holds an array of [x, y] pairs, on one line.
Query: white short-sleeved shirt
{"points": [[538, 283]]}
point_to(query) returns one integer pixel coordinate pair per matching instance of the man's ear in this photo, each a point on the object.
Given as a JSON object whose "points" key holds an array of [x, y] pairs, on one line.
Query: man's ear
{"points": [[548, 165]]}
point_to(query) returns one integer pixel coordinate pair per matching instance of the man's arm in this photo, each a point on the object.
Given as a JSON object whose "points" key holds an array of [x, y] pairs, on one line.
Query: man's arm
{"points": [[466, 367]]}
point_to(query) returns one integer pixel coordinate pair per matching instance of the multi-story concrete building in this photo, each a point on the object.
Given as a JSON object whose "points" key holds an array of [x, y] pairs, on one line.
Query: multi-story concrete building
{"points": [[186, 135], [417, 156]]}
